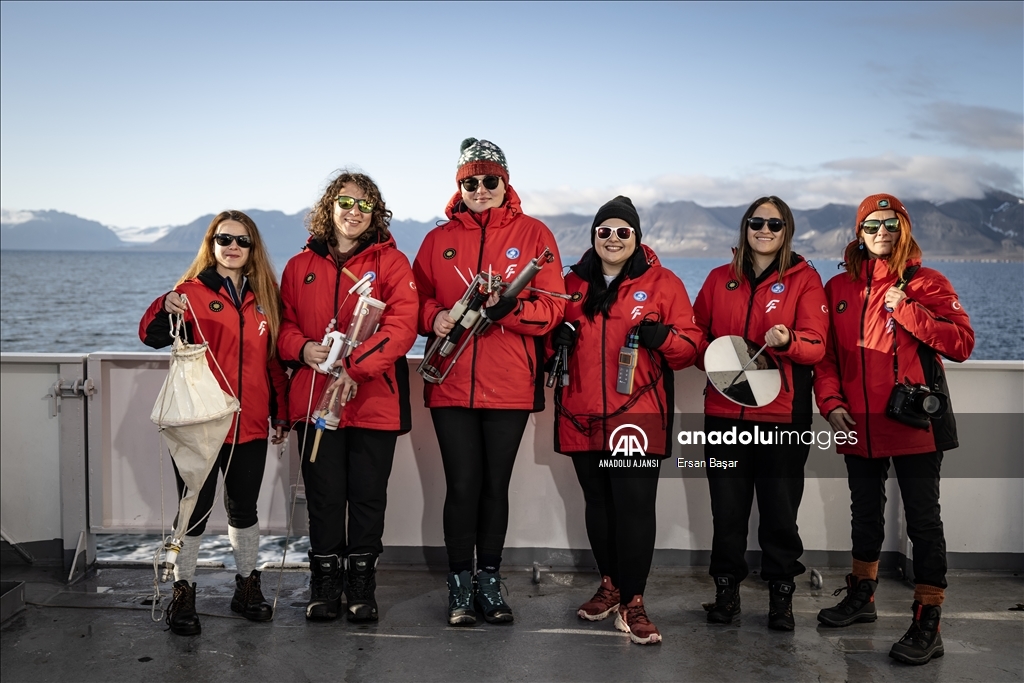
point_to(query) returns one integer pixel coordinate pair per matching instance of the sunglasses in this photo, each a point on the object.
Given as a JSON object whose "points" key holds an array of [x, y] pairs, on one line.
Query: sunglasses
{"points": [[890, 224], [346, 203], [774, 224], [243, 241], [490, 183], [604, 232]]}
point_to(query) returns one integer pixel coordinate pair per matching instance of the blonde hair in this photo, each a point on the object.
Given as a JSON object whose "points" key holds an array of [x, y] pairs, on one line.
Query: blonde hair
{"points": [[258, 270]]}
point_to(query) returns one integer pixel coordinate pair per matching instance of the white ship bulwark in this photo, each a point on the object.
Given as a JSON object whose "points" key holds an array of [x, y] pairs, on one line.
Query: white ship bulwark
{"points": [[80, 456]]}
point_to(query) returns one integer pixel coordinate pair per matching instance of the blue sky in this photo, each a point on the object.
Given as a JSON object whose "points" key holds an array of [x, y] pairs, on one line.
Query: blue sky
{"points": [[153, 114]]}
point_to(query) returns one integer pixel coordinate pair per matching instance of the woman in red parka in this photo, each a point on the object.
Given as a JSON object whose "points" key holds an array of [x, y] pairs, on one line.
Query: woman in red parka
{"points": [[767, 295], [481, 409], [349, 239], [234, 305], [621, 297], [892, 319]]}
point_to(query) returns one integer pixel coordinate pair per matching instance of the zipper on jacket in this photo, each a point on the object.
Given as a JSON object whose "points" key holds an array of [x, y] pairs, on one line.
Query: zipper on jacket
{"points": [[241, 347], [378, 347], [390, 384], [604, 384], [863, 362], [746, 325], [472, 366]]}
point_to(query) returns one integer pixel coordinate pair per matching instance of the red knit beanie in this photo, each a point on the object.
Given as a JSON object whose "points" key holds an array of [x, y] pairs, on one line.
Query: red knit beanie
{"points": [[880, 202], [481, 157]]}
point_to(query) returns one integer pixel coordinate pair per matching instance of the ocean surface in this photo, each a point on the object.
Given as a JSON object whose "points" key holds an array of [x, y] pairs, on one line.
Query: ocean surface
{"points": [[80, 302]]}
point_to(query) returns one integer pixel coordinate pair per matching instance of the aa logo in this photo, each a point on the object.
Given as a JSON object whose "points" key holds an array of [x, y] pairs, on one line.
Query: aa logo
{"points": [[628, 440]]}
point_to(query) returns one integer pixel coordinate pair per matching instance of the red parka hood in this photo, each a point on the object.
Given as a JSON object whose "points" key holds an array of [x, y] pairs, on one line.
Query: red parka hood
{"points": [[456, 210]]}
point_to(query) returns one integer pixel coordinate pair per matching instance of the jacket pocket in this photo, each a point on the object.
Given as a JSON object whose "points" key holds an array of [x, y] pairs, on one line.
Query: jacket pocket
{"points": [[378, 347], [391, 385]]}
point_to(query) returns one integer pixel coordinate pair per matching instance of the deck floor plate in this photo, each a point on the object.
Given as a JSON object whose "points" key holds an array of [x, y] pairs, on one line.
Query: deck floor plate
{"points": [[412, 642]]}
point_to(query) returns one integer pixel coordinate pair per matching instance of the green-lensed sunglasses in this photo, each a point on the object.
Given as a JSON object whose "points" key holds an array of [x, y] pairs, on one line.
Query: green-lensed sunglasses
{"points": [[890, 224], [346, 203]]}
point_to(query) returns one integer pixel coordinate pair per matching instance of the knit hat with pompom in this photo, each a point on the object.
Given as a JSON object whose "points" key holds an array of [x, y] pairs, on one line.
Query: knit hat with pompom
{"points": [[481, 157]]}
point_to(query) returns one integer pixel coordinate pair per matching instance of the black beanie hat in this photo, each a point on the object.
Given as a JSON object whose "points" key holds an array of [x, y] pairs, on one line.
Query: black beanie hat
{"points": [[620, 207]]}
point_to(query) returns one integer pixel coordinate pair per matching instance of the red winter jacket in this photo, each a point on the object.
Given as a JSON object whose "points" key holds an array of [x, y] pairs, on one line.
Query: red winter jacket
{"points": [[649, 291], [748, 307], [313, 288], [502, 368], [239, 341], [857, 372]]}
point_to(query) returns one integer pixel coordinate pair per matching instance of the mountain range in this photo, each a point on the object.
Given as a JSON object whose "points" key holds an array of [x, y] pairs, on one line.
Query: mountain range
{"points": [[989, 227]]}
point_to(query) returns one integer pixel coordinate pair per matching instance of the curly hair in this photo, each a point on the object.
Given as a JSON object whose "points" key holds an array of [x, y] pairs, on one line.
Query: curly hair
{"points": [[320, 220], [258, 269]]}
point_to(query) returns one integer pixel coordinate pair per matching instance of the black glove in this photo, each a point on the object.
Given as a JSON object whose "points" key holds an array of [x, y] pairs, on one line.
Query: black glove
{"points": [[504, 306], [653, 334], [564, 335]]}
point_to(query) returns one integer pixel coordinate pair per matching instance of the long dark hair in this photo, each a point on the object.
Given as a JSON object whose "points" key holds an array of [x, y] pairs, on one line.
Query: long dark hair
{"points": [[784, 257], [601, 296]]}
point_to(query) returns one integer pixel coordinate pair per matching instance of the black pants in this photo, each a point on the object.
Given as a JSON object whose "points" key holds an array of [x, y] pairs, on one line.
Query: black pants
{"points": [[241, 486], [621, 520], [478, 449], [918, 476], [776, 472], [350, 475]]}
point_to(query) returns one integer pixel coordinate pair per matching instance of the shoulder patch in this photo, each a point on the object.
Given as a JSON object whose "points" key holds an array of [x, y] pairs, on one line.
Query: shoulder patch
{"points": [[576, 296], [449, 253], [216, 306], [841, 306], [309, 277], [732, 284]]}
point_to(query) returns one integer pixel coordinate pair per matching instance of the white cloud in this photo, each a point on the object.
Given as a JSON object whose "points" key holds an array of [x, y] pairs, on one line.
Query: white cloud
{"points": [[843, 181], [975, 127], [9, 217]]}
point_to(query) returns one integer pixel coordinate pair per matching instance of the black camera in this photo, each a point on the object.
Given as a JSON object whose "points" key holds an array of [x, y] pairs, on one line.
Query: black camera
{"points": [[916, 405]]}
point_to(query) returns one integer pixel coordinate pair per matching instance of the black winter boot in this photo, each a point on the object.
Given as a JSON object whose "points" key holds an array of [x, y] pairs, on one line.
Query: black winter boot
{"points": [[858, 605], [248, 599], [361, 586], [325, 587], [727, 601], [923, 640], [780, 605], [181, 614]]}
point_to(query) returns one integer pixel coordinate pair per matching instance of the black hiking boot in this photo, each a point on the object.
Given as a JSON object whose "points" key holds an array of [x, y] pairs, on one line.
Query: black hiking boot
{"points": [[181, 615], [727, 601], [460, 599], [248, 599], [487, 598], [858, 605], [361, 586], [923, 640], [325, 587], [780, 605]]}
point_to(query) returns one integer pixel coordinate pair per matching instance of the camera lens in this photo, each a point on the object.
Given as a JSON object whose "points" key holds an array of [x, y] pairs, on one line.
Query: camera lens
{"points": [[931, 404]]}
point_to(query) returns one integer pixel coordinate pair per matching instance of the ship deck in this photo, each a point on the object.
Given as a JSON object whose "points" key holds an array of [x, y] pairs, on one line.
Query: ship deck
{"points": [[98, 629]]}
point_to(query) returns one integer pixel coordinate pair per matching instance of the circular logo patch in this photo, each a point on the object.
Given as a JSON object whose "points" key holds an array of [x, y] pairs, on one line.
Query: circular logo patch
{"points": [[310, 277], [640, 296], [576, 296], [778, 288], [449, 254], [512, 253], [841, 306], [372, 275], [732, 284], [216, 306]]}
